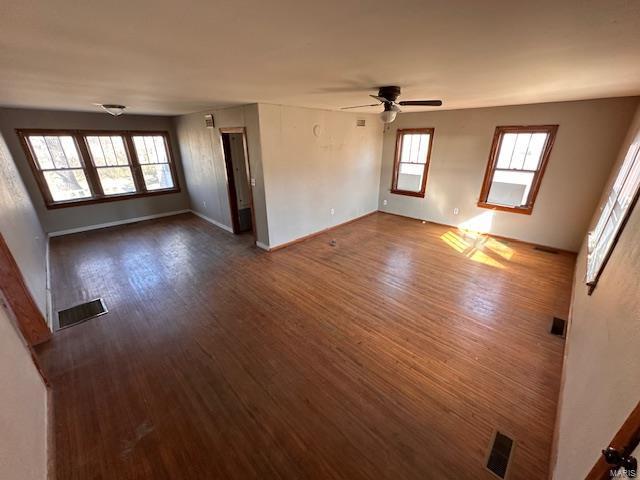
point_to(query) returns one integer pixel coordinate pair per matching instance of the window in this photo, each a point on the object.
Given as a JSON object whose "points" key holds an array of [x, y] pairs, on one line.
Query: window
{"points": [[517, 162], [622, 197], [153, 156], [74, 167], [411, 164]]}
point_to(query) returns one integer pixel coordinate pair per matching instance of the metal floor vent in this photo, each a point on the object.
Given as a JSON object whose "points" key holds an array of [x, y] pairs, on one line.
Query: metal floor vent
{"points": [[545, 249], [499, 457], [81, 313], [558, 326]]}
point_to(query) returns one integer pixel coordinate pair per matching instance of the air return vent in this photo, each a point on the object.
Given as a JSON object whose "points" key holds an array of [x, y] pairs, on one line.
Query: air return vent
{"points": [[361, 123], [500, 454], [81, 313]]}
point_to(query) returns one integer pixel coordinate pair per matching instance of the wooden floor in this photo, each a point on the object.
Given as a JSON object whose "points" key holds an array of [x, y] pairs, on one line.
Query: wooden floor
{"points": [[394, 354]]}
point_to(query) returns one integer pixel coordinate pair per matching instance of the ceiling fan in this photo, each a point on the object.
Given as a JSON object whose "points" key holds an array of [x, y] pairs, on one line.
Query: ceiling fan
{"points": [[388, 96]]}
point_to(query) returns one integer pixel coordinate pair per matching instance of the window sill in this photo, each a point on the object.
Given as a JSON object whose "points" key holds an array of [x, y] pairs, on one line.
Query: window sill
{"points": [[408, 193], [110, 198], [503, 208]]}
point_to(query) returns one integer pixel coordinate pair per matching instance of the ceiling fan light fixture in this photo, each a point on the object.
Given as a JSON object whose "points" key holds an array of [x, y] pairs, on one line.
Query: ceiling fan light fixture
{"points": [[389, 114], [113, 109]]}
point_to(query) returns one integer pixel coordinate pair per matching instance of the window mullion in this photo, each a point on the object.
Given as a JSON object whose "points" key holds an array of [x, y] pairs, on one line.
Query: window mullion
{"points": [[136, 169], [90, 171]]}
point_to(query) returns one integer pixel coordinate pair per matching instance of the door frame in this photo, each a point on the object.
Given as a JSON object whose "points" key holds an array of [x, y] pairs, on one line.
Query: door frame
{"points": [[231, 186]]}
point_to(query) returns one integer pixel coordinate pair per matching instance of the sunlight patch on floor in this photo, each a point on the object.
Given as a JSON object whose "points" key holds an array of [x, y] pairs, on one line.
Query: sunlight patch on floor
{"points": [[478, 247]]}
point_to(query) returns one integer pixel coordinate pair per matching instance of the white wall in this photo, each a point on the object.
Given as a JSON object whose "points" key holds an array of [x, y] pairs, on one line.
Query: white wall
{"points": [[602, 358], [23, 408], [586, 145], [21, 229], [204, 167], [307, 175]]}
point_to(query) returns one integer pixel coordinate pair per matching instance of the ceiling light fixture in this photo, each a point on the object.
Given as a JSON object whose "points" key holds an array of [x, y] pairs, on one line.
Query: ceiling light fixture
{"points": [[115, 110], [389, 113]]}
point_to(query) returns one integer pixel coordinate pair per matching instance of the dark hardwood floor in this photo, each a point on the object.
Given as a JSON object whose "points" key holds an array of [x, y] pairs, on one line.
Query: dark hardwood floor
{"points": [[394, 354]]}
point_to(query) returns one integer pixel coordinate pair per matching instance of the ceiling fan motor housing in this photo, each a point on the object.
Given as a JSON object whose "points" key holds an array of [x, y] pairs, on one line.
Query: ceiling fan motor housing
{"points": [[390, 93]]}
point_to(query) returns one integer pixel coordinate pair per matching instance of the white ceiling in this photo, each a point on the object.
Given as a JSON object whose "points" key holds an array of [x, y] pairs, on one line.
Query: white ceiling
{"points": [[172, 57]]}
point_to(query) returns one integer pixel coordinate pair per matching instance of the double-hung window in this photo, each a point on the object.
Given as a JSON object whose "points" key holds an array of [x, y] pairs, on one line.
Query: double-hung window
{"points": [[620, 201], [517, 161], [411, 163], [76, 167]]}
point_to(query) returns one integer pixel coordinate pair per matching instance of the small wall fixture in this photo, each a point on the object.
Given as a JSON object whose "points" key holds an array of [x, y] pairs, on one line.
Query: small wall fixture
{"points": [[115, 110]]}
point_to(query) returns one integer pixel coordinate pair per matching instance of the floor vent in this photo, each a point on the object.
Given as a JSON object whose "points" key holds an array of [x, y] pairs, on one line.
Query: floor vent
{"points": [[499, 457], [81, 313], [558, 326], [542, 248]]}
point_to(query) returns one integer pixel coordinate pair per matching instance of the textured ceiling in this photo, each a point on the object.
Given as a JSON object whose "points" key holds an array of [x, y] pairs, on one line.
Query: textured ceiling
{"points": [[170, 57]]}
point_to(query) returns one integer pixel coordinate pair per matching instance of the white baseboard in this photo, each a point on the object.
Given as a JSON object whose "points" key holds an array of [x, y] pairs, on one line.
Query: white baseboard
{"points": [[113, 224], [214, 222], [262, 246]]}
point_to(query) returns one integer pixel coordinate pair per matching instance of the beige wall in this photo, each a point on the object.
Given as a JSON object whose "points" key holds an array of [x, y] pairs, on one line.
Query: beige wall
{"points": [[589, 136], [23, 408], [602, 359], [21, 229], [307, 175], [82, 216], [204, 167]]}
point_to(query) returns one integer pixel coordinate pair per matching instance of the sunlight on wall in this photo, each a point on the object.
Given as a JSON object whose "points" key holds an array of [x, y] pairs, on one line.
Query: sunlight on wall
{"points": [[479, 224]]}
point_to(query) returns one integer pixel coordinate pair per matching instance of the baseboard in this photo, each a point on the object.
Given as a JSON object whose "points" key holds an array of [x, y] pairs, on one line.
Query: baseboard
{"points": [[212, 221], [263, 246], [116, 223], [315, 234], [51, 437]]}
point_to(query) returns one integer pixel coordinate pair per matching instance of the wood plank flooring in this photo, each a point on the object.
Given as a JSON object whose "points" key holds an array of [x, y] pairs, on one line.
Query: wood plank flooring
{"points": [[393, 354]]}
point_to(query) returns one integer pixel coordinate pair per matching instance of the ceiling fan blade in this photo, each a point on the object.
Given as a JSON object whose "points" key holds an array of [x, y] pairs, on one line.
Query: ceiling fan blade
{"points": [[360, 106], [380, 99], [426, 103]]}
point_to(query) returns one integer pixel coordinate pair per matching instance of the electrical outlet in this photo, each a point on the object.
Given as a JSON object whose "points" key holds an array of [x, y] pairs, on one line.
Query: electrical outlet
{"points": [[204, 203], [456, 211], [384, 202], [253, 182], [332, 211]]}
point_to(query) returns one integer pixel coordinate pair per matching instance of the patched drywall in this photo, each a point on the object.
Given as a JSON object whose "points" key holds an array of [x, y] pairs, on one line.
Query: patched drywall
{"points": [[316, 161], [602, 359], [55, 220], [23, 408], [586, 145], [204, 166]]}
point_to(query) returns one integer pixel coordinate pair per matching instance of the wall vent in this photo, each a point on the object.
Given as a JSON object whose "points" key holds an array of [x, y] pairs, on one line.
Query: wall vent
{"points": [[558, 327], [499, 458], [208, 121], [361, 123], [81, 313]]}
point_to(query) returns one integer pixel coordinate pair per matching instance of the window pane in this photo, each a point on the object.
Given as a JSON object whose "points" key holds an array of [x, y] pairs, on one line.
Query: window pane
{"points": [[506, 150], [56, 151], [520, 150], [41, 152], [67, 184], [71, 151], [160, 149], [414, 148], [157, 177], [534, 153], [116, 180], [510, 188], [107, 150], [141, 150]]}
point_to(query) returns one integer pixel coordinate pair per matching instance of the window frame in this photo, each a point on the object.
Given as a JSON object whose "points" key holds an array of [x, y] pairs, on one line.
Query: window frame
{"points": [[551, 131], [591, 284], [90, 170], [396, 161]]}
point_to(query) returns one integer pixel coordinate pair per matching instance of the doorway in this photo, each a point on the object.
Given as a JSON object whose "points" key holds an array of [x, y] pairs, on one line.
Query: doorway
{"points": [[236, 159]]}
